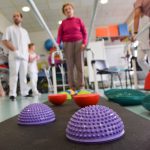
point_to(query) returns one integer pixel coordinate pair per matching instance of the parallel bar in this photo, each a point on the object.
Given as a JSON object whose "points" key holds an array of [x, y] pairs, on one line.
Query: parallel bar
{"points": [[89, 38], [31, 2], [92, 20]]}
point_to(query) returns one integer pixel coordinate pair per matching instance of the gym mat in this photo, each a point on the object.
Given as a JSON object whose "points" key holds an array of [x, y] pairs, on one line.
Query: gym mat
{"points": [[52, 136]]}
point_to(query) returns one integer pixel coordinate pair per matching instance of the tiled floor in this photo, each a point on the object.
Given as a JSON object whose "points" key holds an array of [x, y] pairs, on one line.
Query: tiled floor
{"points": [[10, 108], [139, 110]]}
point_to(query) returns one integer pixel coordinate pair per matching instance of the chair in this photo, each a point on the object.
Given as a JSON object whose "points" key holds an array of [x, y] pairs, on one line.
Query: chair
{"points": [[102, 69]]}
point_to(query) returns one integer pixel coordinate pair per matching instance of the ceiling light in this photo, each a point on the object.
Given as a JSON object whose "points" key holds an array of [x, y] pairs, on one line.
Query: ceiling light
{"points": [[103, 1], [25, 9], [60, 21]]}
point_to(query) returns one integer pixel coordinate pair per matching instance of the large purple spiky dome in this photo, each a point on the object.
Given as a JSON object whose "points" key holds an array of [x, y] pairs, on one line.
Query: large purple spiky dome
{"points": [[36, 114], [95, 124]]}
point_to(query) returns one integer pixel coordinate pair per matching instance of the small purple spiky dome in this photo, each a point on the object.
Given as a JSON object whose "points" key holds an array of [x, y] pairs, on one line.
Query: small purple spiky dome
{"points": [[36, 114], [95, 124]]}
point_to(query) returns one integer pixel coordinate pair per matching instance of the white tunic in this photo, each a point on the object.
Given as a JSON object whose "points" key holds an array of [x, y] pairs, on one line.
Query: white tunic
{"points": [[32, 66], [19, 37]]}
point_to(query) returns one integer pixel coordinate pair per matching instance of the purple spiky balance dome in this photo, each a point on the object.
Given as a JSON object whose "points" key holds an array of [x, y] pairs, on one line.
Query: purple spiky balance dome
{"points": [[95, 124], [36, 114]]}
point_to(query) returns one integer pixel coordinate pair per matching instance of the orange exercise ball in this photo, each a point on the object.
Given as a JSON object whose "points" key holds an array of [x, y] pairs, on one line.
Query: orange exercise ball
{"points": [[57, 99], [147, 82], [86, 99]]}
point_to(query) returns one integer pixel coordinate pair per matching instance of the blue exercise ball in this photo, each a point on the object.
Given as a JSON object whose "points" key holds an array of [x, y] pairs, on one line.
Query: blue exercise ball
{"points": [[48, 44]]}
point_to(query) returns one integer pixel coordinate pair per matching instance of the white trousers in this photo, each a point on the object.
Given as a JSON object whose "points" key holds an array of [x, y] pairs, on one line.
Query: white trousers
{"points": [[17, 66], [33, 81], [141, 58]]}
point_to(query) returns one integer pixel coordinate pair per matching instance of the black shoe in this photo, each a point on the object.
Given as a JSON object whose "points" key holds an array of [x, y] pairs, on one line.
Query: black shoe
{"points": [[30, 92], [29, 95], [12, 98]]}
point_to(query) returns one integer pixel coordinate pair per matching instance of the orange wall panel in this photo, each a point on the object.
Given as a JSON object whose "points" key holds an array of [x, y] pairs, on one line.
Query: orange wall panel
{"points": [[107, 31], [102, 32], [113, 31]]}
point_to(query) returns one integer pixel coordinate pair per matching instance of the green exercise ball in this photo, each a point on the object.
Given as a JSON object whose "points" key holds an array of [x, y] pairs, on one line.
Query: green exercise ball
{"points": [[68, 95], [146, 102], [125, 97], [83, 92]]}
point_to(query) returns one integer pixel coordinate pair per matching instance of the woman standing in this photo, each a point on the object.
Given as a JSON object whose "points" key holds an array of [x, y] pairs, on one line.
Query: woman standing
{"points": [[72, 33]]}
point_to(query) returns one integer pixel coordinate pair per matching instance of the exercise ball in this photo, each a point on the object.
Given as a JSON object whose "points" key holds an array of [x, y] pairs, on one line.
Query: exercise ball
{"points": [[83, 92], [71, 92], [48, 44], [146, 102], [68, 95], [57, 99], [86, 99], [147, 82], [125, 97], [95, 124], [36, 114]]}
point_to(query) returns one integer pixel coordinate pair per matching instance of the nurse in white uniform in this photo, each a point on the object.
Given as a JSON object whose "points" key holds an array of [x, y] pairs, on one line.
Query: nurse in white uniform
{"points": [[16, 39]]}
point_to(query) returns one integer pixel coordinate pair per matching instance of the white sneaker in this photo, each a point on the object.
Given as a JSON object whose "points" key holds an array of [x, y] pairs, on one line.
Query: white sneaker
{"points": [[36, 94]]}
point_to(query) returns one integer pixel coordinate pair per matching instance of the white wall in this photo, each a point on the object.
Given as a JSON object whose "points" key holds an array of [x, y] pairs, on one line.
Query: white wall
{"points": [[3, 23], [115, 54], [112, 54], [38, 38], [97, 51]]}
